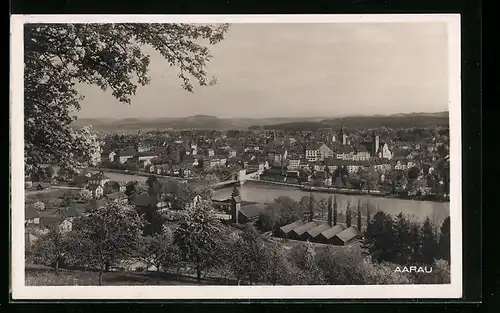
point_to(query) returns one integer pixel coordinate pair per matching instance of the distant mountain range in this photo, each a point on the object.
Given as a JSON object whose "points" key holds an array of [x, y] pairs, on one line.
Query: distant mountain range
{"points": [[178, 123], [400, 120], [305, 123]]}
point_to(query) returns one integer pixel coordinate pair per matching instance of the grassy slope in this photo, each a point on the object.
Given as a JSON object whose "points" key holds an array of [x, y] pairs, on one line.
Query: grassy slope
{"points": [[44, 276], [47, 277]]}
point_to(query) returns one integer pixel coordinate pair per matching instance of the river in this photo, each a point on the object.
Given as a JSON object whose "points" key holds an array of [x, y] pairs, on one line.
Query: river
{"points": [[261, 192]]}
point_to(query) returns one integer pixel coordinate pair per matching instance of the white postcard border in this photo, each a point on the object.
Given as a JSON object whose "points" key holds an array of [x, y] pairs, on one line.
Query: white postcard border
{"points": [[20, 291]]}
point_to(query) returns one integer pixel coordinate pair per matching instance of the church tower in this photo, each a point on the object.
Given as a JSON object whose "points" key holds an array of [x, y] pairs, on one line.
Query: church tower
{"points": [[375, 144], [235, 208], [342, 135]]}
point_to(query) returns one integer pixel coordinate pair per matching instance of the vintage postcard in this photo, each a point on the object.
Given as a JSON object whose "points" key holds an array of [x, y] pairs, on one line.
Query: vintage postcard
{"points": [[236, 157]]}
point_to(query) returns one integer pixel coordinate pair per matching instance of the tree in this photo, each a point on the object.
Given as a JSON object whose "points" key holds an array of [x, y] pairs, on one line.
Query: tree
{"points": [[382, 274], [277, 264], [250, 258], [85, 195], [106, 235], [348, 214], [134, 188], [197, 237], [211, 179], [413, 173], [402, 240], [154, 187], [440, 274], [39, 206], [311, 207], [359, 223], [444, 240], [51, 249], [429, 242], [368, 213], [330, 210], [340, 268], [57, 57], [328, 173], [225, 253], [304, 255], [378, 238], [415, 239], [70, 197], [159, 250], [323, 206], [282, 211], [236, 192], [335, 213]]}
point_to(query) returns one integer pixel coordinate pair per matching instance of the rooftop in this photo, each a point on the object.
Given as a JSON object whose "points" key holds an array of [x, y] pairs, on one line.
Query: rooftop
{"points": [[302, 229], [329, 233], [348, 234], [288, 228]]}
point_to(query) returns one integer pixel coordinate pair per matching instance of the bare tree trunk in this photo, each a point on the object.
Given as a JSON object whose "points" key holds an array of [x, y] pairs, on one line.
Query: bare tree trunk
{"points": [[198, 275], [57, 267], [238, 281], [157, 274], [100, 277]]}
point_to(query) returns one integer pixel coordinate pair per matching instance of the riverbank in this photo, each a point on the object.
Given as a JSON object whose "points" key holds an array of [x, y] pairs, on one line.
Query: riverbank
{"points": [[344, 191], [354, 192]]}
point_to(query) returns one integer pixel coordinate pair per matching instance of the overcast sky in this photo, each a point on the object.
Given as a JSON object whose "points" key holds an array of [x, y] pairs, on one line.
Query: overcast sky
{"points": [[292, 70]]}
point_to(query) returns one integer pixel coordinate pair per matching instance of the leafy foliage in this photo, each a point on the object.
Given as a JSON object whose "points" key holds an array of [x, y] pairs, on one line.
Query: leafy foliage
{"points": [[304, 255], [57, 57], [198, 236], [330, 210], [250, 254], [277, 264], [39, 206], [311, 207], [359, 223], [211, 179], [159, 250], [85, 194], [348, 214], [51, 248], [429, 242], [378, 237], [105, 235], [283, 210], [335, 213], [444, 240], [339, 268], [136, 188], [402, 240]]}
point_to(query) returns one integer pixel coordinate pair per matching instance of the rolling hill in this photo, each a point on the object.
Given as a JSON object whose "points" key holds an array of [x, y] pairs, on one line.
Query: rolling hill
{"points": [[278, 123], [190, 122], [374, 121]]}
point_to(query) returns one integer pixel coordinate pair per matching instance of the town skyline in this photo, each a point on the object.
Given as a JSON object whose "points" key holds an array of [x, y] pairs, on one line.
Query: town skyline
{"points": [[322, 70]]}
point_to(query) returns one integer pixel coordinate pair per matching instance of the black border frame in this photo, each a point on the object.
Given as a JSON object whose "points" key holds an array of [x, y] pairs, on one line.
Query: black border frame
{"points": [[470, 12]]}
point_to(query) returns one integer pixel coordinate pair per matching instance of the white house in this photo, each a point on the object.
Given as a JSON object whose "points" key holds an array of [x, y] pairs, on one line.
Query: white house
{"points": [[318, 152], [96, 190]]}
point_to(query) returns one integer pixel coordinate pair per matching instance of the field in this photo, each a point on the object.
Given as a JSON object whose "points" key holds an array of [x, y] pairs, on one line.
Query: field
{"points": [[47, 277], [44, 276]]}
